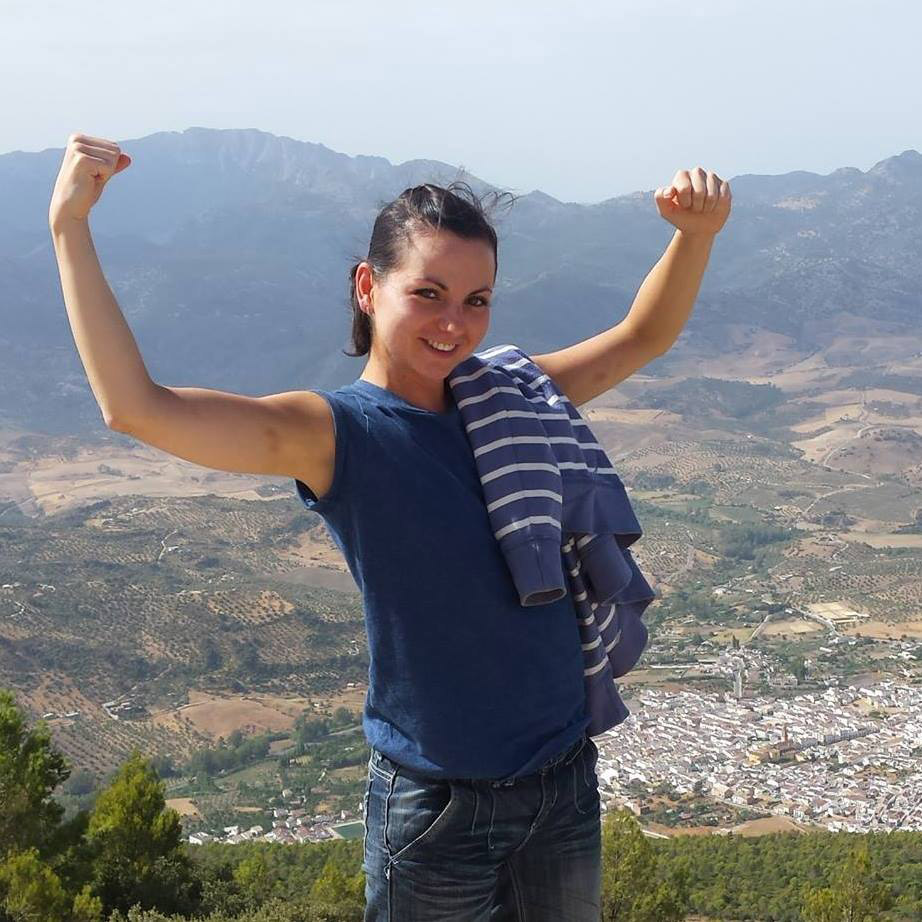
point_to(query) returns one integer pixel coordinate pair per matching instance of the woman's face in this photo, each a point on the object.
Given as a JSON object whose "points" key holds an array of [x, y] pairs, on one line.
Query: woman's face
{"points": [[441, 293]]}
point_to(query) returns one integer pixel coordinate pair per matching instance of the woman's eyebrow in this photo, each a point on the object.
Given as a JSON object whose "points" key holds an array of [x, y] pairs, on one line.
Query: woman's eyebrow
{"points": [[445, 287]]}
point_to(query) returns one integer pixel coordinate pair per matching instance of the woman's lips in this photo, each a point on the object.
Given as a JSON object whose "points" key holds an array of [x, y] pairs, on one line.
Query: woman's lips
{"points": [[440, 351]]}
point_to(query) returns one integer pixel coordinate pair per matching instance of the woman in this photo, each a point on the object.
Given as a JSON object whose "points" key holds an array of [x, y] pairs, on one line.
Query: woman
{"points": [[482, 799]]}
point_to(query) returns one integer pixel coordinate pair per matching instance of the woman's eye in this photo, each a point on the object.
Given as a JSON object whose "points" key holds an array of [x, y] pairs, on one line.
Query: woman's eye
{"points": [[423, 291]]}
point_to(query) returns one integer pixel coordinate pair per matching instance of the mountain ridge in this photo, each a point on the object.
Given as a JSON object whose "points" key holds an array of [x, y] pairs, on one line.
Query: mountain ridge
{"points": [[216, 239]]}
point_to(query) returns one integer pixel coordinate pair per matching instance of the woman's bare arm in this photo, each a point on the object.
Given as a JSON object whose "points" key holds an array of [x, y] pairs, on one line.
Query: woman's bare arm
{"points": [[288, 434], [113, 364]]}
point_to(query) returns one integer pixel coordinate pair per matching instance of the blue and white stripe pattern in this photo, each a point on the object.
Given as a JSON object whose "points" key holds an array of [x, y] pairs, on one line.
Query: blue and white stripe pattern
{"points": [[559, 511]]}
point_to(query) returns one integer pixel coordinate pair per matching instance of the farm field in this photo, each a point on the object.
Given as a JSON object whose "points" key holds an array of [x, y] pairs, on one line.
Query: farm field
{"points": [[216, 602]]}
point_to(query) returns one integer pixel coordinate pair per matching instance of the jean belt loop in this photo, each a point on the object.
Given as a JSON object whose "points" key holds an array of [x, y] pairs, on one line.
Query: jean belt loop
{"points": [[503, 782]]}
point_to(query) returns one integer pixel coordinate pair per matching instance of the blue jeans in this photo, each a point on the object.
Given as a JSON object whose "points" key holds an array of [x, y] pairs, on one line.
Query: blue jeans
{"points": [[472, 850]]}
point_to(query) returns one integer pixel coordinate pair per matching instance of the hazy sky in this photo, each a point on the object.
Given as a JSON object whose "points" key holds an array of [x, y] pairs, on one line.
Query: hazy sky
{"points": [[583, 100]]}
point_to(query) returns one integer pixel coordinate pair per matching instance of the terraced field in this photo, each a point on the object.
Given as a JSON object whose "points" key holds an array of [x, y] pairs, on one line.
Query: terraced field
{"points": [[92, 611], [217, 602]]}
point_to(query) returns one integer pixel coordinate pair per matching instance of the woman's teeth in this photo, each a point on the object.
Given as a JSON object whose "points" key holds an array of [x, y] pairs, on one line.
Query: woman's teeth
{"points": [[441, 347]]}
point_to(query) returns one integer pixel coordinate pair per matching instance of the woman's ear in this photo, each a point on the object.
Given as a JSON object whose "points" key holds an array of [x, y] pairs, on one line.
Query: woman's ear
{"points": [[364, 287]]}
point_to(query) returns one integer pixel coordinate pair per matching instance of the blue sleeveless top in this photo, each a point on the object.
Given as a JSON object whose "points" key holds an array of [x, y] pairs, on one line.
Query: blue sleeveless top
{"points": [[464, 682]]}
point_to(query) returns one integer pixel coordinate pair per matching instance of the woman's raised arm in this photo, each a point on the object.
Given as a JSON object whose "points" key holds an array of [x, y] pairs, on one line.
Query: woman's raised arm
{"points": [[289, 434]]}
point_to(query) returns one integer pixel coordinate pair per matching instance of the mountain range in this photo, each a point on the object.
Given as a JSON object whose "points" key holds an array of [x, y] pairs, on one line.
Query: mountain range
{"points": [[229, 252]]}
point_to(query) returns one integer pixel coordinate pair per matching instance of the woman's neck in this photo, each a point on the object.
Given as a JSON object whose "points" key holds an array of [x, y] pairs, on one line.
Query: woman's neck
{"points": [[426, 394]]}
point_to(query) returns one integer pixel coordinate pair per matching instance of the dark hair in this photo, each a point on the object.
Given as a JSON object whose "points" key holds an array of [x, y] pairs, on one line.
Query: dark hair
{"points": [[418, 208]]}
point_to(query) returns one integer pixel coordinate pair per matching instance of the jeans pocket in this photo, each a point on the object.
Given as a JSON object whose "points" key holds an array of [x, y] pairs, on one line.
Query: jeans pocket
{"points": [[380, 765], [416, 810], [585, 780], [593, 751], [365, 820]]}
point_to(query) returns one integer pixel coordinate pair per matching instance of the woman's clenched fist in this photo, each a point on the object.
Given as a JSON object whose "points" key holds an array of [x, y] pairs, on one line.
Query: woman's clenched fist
{"points": [[87, 166], [697, 202]]}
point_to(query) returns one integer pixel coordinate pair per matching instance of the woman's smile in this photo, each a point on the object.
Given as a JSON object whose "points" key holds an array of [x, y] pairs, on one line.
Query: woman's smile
{"points": [[432, 348]]}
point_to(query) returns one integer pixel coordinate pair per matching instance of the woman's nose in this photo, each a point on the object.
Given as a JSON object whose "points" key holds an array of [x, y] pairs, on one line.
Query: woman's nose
{"points": [[451, 317]]}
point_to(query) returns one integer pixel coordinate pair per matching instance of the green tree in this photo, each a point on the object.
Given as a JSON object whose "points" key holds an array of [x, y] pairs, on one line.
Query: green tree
{"points": [[87, 908], [855, 894], [343, 717], [32, 892], [798, 667], [163, 766], [30, 769], [337, 896], [308, 727], [137, 845], [212, 658], [632, 888], [43, 861], [79, 783], [254, 879]]}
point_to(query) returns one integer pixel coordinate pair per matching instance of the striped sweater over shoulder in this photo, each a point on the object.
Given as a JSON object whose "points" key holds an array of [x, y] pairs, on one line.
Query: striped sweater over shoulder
{"points": [[559, 511]]}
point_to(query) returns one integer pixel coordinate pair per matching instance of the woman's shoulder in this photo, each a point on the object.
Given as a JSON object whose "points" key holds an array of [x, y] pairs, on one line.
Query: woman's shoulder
{"points": [[353, 418]]}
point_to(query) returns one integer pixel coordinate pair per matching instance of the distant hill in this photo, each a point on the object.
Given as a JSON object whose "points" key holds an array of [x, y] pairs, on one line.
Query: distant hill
{"points": [[229, 251]]}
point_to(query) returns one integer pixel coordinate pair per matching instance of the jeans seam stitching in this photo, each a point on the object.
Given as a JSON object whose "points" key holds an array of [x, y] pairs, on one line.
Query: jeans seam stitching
{"points": [[576, 793], [365, 821], [384, 776], [516, 889], [476, 806], [396, 856]]}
